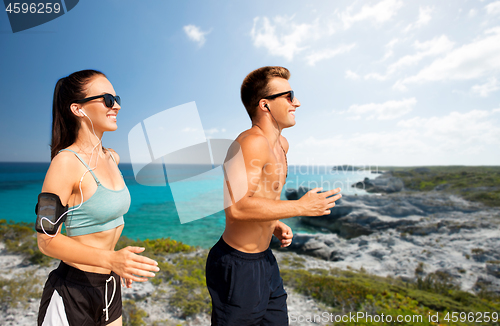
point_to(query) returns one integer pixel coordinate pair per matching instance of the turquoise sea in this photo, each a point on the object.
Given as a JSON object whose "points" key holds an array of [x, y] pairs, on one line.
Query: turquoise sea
{"points": [[152, 213]]}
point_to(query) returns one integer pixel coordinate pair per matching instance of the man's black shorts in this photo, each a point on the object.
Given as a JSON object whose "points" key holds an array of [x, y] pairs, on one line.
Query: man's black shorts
{"points": [[246, 289], [77, 298]]}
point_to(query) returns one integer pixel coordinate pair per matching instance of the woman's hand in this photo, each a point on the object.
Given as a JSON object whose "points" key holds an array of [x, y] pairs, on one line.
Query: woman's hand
{"points": [[126, 282], [130, 266]]}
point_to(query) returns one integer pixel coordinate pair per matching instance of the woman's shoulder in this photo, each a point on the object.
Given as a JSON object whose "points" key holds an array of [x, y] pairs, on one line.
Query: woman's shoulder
{"points": [[62, 173], [65, 158], [114, 155], [66, 163]]}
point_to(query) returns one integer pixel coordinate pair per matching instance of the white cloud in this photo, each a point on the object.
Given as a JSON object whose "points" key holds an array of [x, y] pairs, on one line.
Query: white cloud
{"points": [[433, 47], [214, 131], [284, 37], [472, 12], [438, 45], [195, 34], [464, 137], [493, 8], [316, 56], [424, 17], [376, 76], [351, 75], [457, 129], [484, 90], [381, 12], [476, 59], [389, 49], [382, 111]]}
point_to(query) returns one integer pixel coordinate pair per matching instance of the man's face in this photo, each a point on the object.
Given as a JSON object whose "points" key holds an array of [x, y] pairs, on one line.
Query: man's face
{"points": [[282, 108]]}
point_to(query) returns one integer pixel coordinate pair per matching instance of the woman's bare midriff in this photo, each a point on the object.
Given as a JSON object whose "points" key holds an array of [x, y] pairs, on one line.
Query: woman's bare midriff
{"points": [[105, 240]]}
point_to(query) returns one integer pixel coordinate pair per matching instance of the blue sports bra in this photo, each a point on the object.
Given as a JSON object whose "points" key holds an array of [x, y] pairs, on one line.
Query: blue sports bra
{"points": [[103, 211]]}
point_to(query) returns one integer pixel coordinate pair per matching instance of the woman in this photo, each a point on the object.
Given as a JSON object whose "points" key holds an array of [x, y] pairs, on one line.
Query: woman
{"points": [[85, 288]]}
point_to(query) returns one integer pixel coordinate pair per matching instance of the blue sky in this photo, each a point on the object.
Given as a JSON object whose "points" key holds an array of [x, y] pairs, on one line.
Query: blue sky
{"points": [[384, 82]]}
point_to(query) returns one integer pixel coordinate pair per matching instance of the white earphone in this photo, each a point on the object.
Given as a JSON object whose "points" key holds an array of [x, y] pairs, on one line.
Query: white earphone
{"points": [[83, 112]]}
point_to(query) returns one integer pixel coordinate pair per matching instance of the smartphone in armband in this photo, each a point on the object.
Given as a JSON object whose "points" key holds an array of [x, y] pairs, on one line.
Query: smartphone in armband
{"points": [[49, 211]]}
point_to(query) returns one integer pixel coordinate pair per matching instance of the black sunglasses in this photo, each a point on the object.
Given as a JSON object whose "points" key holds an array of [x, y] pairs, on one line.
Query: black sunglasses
{"points": [[271, 97], [109, 100]]}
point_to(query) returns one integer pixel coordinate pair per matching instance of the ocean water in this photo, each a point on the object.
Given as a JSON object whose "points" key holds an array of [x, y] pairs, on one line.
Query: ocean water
{"points": [[153, 213]]}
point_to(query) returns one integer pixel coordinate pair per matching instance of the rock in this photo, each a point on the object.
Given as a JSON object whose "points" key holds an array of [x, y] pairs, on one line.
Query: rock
{"points": [[493, 269], [294, 194], [385, 183], [422, 170], [311, 245], [354, 216], [139, 290], [487, 283], [442, 186], [393, 234]]}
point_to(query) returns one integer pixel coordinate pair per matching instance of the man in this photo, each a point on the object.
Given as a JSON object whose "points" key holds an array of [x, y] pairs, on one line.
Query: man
{"points": [[242, 274]]}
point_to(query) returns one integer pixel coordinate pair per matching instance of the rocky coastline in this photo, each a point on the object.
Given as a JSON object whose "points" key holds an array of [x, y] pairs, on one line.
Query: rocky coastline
{"points": [[408, 234], [397, 233]]}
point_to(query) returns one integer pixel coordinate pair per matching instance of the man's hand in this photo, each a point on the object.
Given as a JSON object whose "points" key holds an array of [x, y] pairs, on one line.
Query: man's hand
{"points": [[284, 234], [317, 204]]}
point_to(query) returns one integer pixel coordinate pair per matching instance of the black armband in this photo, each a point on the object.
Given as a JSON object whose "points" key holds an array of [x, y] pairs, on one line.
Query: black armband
{"points": [[49, 208]]}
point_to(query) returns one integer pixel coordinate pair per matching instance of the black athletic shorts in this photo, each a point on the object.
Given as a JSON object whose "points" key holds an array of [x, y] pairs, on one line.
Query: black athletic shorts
{"points": [[246, 289], [77, 298]]}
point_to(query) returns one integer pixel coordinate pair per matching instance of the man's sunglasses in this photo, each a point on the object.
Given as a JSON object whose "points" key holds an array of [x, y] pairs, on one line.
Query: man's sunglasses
{"points": [[272, 97], [109, 100]]}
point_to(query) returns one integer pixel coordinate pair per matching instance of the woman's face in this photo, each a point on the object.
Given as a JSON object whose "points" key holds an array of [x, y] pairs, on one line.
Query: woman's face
{"points": [[103, 118]]}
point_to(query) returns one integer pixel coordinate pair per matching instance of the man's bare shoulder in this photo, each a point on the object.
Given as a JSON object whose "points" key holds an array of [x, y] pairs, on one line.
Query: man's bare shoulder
{"points": [[253, 140], [253, 145], [284, 143]]}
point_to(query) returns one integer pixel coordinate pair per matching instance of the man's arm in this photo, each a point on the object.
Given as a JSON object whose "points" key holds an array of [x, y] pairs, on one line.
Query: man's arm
{"points": [[243, 178]]}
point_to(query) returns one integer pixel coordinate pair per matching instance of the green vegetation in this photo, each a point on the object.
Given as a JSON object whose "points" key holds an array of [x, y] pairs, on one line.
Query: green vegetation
{"points": [[349, 291], [183, 269], [186, 273], [295, 262], [132, 315], [155, 248], [475, 183], [191, 294], [19, 290], [21, 238]]}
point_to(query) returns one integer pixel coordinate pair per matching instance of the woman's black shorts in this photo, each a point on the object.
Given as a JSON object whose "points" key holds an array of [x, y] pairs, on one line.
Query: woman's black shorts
{"points": [[77, 298]]}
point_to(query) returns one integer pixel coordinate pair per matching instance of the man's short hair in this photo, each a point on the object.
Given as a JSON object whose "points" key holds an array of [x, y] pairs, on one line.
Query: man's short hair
{"points": [[255, 86]]}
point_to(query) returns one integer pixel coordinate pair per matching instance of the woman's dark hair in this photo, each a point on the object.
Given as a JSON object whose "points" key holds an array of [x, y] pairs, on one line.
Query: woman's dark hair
{"points": [[65, 125]]}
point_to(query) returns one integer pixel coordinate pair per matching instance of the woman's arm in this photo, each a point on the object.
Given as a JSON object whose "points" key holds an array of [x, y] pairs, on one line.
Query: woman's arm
{"points": [[62, 181]]}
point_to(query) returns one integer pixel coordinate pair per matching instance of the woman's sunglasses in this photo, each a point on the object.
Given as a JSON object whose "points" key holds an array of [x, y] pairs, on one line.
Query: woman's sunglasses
{"points": [[109, 100], [271, 97]]}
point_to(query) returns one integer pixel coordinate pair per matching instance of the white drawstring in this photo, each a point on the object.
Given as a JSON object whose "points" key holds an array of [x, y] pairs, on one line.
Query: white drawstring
{"points": [[106, 295]]}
